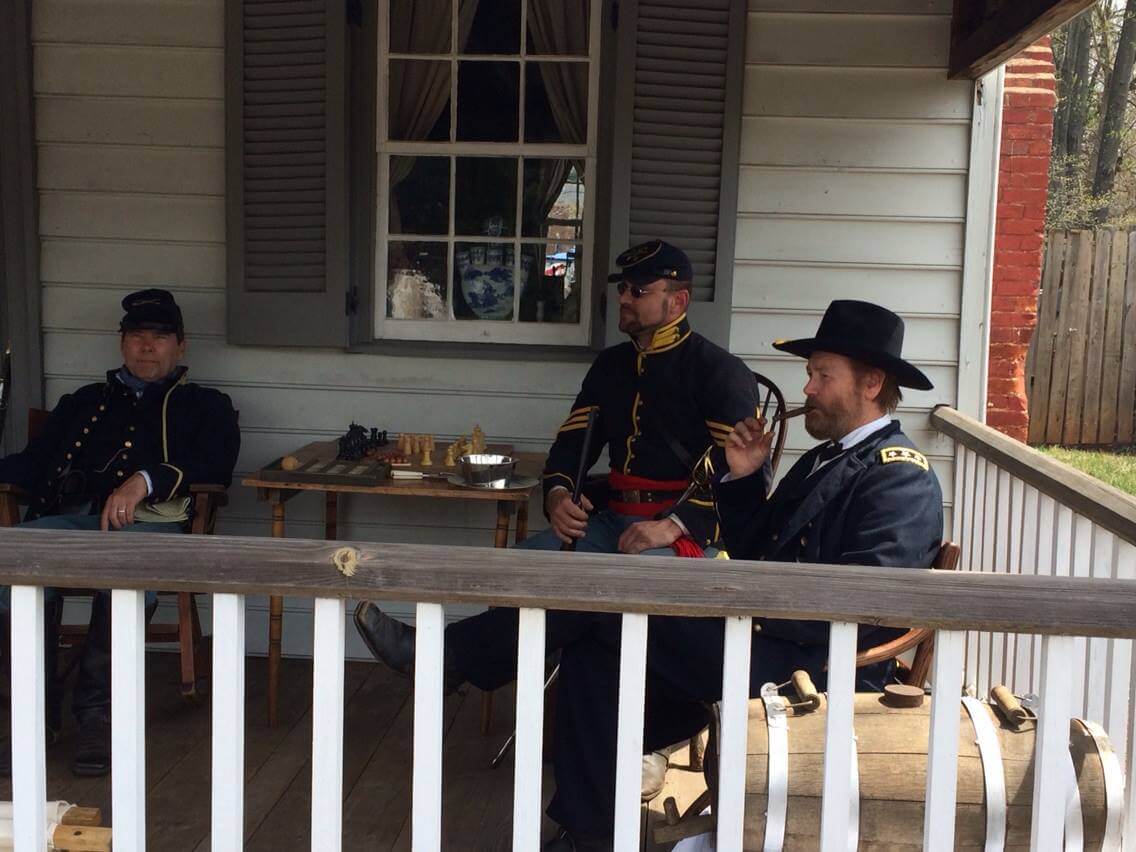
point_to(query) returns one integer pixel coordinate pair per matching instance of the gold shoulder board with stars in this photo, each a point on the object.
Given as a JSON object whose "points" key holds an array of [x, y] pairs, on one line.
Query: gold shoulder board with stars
{"points": [[903, 454]]}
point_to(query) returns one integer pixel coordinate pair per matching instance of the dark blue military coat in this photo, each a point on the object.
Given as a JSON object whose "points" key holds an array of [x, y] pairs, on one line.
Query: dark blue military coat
{"points": [[180, 433], [877, 504], [682, 384]]}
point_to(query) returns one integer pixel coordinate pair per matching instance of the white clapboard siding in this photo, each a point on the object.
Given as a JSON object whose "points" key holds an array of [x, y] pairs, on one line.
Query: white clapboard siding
{"points": [[123, 120], [840, 192], [183, 218], [854, 158], [844, 92], [811, 38], [855, 142], [88, 261], [141, 71], [152, 170], [175, 23], [810, 285]]}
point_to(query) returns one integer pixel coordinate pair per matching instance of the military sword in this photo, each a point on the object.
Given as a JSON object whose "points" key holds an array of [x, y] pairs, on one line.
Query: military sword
{"points": [[578, 490]]}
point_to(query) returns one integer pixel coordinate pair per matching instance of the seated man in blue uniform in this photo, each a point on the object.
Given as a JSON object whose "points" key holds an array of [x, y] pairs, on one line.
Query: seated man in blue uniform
{"points": [[120, 455], [850, 399]]}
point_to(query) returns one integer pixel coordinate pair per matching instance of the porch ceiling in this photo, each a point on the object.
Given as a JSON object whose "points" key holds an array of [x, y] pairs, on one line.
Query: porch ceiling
{"points": [[986, 33]]}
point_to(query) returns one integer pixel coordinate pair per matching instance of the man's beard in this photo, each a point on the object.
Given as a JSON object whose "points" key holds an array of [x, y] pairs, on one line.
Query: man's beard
{"points": [[825, 425]]}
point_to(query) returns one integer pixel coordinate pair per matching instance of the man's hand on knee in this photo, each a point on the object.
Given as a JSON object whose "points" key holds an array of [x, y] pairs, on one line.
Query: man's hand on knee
{"points": [[118, 510], [645, 535], [568, 520]]}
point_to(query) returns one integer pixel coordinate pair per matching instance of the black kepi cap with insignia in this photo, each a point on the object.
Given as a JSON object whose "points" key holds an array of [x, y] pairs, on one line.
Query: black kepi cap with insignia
{"points": [[152, 309], [866, 332], [651, 261]]}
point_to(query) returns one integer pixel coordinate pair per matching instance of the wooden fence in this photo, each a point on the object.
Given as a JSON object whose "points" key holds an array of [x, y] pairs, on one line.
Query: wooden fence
{"points": [[1081, 370]]}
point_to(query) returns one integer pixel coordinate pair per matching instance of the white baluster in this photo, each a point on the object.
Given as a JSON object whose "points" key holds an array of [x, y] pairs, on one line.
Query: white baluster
{"points": [[128, 718], [1000, 565], [735, 726], [942, 755], [327, 724], [1098, 672], [528, 769], [227, 827], [1014, 566], [1046, 565], [838, 831], [629, 748], [1051, 748], [29, 767], [426, 809], [1081, 565], [1024, 655], [1126, 570], [989, 510]]}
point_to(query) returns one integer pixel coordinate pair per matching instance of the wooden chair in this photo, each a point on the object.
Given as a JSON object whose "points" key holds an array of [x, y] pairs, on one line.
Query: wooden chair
{"points": [[206, 500], [920, 638]]}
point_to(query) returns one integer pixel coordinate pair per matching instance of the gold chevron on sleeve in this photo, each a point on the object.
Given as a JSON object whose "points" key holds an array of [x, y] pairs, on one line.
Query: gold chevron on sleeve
{"points": [[578, 419]]}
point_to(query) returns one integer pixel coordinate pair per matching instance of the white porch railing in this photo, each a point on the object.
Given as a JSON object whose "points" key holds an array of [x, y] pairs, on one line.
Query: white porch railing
{"points": [[1018, 511], [1054, 607]]}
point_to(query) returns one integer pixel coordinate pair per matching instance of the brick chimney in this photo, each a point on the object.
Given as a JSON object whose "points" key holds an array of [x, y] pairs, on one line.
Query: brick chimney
{"points": [[1023, 179]]}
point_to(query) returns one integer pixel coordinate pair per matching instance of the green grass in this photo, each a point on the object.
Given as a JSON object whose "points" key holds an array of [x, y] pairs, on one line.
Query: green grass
{"points": [[1114, 467]]}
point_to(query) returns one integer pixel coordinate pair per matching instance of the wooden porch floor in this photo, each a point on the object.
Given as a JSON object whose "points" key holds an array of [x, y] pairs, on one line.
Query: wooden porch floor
{"points": [[477, 800]]}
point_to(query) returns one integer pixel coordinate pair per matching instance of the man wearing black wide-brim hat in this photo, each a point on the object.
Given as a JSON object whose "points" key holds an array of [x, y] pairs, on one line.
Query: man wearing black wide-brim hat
{"points": [[120, 455], [866, 496]]}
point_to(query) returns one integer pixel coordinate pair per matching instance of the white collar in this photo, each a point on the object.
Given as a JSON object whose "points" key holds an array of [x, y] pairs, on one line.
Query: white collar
{"points": [[859, 434]]}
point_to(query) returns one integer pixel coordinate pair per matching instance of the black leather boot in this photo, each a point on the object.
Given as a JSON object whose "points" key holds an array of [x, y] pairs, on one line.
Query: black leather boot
{"points": [[392, 643]]}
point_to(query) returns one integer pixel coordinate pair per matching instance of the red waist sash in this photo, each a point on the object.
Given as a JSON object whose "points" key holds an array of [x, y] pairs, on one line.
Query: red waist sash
{"points": [[643, 509]]}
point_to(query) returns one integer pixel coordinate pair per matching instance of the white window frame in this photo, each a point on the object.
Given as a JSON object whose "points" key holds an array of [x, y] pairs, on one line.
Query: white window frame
{"points": [[451, 329]]}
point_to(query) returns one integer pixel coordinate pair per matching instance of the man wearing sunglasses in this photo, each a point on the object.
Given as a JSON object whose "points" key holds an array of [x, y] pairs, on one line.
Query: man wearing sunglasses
{"points": [[658, 401], [120, 455]]}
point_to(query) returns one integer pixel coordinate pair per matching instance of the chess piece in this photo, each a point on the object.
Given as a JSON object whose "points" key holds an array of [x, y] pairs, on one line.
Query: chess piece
{"points": [[427, 460], [404, 444], [449, 460]]}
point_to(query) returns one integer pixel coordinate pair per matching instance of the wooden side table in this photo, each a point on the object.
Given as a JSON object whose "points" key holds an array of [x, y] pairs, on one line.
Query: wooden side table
{"points": [[279, 493]]}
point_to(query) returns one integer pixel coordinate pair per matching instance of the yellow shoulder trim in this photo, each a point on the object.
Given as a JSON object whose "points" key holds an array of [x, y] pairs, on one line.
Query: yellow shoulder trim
{"points": [[903, 454]]}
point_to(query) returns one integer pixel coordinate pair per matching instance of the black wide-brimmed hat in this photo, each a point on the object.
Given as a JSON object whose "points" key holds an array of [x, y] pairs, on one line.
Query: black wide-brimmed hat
{"points": [[152, 309], [863, 331]]}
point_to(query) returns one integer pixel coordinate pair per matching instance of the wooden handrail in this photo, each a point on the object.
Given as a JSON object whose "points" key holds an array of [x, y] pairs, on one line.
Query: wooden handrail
{"points": [[1102, 504], [580, 581]]}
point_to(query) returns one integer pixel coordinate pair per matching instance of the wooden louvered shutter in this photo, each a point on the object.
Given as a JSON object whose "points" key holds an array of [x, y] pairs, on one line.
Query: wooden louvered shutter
{"points": [[286, 162], [685, 119]]}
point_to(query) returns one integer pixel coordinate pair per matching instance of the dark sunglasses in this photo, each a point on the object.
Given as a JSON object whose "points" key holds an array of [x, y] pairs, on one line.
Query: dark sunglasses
{"points": [[637, 292]]}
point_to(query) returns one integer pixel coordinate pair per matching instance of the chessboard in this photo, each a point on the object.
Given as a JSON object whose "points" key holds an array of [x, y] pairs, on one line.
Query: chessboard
{"points": [[316, 464]]}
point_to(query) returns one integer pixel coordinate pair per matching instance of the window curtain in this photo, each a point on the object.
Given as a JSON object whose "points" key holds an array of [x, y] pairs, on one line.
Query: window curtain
{"points": [[418, 91], [557, 28]]}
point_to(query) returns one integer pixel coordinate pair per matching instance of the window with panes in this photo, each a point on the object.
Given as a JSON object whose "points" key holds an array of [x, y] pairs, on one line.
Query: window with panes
{"points": [[486, 142]]}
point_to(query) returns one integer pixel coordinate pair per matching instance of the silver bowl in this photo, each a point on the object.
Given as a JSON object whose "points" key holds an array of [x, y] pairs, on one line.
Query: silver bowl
{"points": [[487, 470]]}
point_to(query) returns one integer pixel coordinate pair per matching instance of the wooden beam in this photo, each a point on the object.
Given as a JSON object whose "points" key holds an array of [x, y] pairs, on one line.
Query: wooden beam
{"points": [[664, 585], [986, 33]]}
